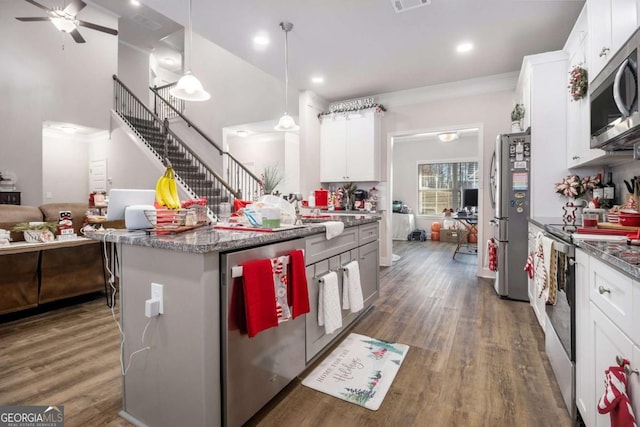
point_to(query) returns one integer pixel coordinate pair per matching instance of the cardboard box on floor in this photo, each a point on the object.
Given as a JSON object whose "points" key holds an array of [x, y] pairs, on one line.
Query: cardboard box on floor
{"points": [[453, 236]]}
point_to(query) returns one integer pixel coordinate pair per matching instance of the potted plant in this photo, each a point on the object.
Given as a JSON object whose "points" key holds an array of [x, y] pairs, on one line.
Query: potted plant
{"points": [[517, 115], [271, 178], [37, 232]]}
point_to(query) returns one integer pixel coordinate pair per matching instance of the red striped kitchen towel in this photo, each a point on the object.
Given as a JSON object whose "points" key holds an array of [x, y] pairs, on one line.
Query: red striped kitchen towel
{"points": [[259, 296], [615, 400]]}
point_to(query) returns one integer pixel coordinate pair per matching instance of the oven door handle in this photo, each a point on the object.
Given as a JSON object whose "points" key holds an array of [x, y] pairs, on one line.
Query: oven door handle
{"points": [[559, 245], [617, 96]]}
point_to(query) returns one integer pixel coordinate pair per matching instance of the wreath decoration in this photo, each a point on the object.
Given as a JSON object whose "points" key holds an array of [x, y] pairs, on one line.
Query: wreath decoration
{"points": [[578, 83]]}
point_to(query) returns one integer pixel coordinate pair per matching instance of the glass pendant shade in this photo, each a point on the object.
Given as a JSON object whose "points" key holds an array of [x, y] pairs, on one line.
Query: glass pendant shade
{"points": [[189, 88], [286, 123]]}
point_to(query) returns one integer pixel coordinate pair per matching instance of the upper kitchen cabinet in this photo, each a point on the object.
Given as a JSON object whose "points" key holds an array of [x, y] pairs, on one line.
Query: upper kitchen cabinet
{"points": [[542, 88], [350, 146], [579, 152], [611, 22]]}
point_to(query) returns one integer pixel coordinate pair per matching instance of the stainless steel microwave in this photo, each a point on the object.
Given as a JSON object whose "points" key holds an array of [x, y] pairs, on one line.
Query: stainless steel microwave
{"points": [[613, 94]]}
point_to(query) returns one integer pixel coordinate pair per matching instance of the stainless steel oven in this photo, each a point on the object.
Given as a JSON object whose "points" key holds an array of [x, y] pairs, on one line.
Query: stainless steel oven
{"points": [[560, 332]]}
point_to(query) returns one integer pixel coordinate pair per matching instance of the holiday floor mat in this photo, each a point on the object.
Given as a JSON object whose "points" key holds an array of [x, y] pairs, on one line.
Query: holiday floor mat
{"points": [[360, 370]]}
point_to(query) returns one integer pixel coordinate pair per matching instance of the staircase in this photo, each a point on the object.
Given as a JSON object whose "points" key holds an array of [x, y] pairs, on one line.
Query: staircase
{"points": [[192, 173]]}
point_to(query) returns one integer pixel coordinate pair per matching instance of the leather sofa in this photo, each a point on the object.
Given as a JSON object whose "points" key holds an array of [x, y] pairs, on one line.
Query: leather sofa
{"points": [[42, 275]]}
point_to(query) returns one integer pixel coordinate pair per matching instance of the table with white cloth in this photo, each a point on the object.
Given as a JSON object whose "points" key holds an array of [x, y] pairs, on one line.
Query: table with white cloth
{"points": [[402, 225]]}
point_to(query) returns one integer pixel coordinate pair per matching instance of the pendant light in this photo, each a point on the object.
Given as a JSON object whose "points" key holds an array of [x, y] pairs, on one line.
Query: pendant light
{"points": [[286, 122], [189, 87]]}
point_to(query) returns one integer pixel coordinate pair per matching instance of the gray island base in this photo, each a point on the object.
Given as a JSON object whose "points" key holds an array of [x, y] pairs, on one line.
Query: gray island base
{"points": [[201, 369]]}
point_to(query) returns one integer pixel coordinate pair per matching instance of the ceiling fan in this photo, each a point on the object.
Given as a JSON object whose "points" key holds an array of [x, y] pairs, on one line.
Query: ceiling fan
{"points": [[65, 19]]}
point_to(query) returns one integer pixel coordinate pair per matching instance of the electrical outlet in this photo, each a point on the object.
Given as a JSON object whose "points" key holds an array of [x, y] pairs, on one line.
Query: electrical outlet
{"points": [[157, 293], [636, 151]]}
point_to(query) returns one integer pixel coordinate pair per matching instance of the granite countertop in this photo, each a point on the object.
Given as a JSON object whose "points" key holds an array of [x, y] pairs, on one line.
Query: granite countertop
{"points": [[619, 255], [623, 257], [209, 239]]}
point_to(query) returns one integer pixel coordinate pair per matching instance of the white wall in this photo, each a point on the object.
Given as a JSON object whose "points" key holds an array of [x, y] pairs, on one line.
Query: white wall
{"points": [[486, 102], [240, 92], [133, 70], [259, 151], [310, 105], [65, 172], [407, 155], [47, 76]]}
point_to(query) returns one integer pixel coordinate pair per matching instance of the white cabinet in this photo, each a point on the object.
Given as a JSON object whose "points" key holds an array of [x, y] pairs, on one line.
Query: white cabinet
{"points": [[537, 304], [584, 355], [579, 152], [542, 88], [608, 343], [604, 331], [350, 147], [611, 22]]}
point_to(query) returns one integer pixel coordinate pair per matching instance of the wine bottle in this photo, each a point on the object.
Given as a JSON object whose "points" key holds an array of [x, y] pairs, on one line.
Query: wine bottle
{"points": [[598, 191], [609, 192]]}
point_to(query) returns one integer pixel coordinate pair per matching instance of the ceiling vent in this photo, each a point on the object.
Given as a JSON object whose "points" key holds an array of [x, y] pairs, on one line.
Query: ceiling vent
{"points": [[405, 5], [146, 22]]}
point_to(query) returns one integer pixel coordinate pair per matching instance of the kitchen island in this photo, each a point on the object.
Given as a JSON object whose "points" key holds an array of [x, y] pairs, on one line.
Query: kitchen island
{"points": [[184, 372]]}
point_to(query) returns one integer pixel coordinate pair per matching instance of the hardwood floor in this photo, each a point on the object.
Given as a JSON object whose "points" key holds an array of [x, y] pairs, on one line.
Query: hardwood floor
{"points": [[475, 360]]}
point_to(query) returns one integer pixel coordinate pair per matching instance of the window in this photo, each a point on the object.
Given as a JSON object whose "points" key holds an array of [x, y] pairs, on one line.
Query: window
{"points": [[440, 185]]}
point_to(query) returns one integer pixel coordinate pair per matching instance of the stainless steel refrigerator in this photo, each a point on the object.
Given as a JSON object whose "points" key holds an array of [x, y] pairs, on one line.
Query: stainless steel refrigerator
{"points": [[510, 196]]}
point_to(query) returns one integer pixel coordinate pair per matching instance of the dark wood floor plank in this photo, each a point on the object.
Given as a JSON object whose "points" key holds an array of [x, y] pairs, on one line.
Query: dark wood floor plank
{"points": [[475, 359]]}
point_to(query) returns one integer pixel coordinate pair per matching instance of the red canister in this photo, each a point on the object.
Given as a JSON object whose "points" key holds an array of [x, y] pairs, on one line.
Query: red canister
{"points": [[322, 198]]}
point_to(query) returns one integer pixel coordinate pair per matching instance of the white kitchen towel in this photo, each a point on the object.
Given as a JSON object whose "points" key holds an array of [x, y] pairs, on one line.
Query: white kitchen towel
{"points": [[333, 228], [352, 288], [329, 312]]}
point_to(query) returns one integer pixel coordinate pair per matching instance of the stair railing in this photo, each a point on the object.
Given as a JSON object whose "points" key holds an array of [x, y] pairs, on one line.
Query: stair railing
{"points": [[245, 183], [168, 107], [190, 169]]}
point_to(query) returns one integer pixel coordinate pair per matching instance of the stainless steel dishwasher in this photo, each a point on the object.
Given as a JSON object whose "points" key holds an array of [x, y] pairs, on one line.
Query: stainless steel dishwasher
{"points": [[255, 369]]}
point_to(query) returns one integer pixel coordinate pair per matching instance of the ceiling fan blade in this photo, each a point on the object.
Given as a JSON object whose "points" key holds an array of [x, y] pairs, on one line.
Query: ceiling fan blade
{"points": [[38, 5], [98, 27], [74, 7], [76, 36], [33, 19]]}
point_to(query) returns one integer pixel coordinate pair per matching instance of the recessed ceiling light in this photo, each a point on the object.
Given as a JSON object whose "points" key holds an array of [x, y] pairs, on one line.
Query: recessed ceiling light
{"points": [[261, 40], [464, 47], [136, 3], [68, 129], [317, 79], [448, 136], [242, 133]]}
